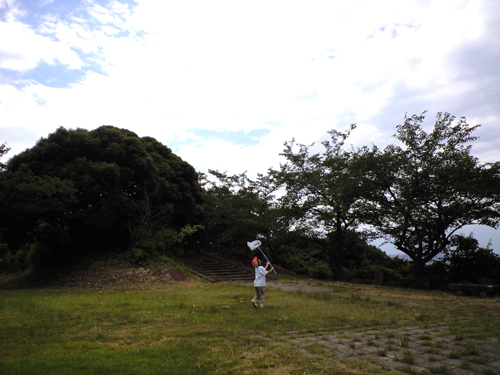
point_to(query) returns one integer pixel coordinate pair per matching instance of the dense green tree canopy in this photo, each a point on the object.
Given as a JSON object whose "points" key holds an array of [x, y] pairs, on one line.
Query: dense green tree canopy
{"points": [[238, 209], [466, 261], [79, 189], [425, 191], [322, 190], [105, 186]]}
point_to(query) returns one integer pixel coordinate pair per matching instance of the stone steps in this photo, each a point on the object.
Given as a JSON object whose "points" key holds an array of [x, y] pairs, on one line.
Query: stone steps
{"points": [[217, 269]]}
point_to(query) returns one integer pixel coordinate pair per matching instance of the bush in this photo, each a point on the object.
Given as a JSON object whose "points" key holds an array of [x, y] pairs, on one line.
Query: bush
{"points": [[465, 261], [297, 265], [321, 270], [153, 245]]}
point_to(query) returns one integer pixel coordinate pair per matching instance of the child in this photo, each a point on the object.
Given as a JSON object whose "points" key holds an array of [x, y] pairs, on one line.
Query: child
{"points": [[260, 282]]}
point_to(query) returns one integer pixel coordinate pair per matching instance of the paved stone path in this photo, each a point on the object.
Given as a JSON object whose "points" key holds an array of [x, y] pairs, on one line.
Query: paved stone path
{"points": [[411, 350]]}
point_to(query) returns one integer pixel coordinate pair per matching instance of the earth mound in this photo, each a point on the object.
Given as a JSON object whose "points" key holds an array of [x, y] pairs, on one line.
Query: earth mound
{"points": [[95, 275]]}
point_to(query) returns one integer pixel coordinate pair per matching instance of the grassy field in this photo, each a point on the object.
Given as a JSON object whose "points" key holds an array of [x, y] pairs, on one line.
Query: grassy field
{"points": [[200, 328]]}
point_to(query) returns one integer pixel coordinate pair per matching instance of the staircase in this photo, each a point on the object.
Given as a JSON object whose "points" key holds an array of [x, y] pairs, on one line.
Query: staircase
{"points": [[217, 269]]}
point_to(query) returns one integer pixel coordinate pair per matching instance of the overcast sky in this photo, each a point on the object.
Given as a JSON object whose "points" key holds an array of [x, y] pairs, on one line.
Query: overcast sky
{"points": [[225, 83]]}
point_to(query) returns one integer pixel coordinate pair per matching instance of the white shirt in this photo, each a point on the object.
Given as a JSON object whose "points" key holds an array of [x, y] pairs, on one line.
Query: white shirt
{"points": [[260, 276]]}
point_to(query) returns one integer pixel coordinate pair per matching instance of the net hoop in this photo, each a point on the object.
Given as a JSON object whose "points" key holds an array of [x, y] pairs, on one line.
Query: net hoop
{"points": [[254, 244]]}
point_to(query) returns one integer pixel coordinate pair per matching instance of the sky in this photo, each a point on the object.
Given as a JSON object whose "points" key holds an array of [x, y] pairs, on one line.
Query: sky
{"points": [[225, 83]]}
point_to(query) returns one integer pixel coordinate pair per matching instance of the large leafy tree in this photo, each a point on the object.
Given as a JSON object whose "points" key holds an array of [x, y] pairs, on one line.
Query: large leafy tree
{"points": [[424, 191], [108, 187], [238, 209], [322, 191]]}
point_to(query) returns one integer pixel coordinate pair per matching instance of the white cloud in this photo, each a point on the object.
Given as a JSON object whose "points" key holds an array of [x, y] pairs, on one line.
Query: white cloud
{"points": [[11, 10], [75, 35], [172, 66], [24, 49]]}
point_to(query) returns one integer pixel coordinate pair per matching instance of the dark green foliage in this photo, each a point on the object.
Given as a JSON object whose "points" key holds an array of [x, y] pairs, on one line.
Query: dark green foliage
{"points": [[230, 210], [416, 196], [322, 191], [465, 261], [301, 255], [3, 150], [310, 257], [80, 190], [422, 193], [24, 200], [237, 209], [363, 261]]}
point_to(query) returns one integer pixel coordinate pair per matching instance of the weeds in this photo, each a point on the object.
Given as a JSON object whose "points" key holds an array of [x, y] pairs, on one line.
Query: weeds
{"points": [[465, 364], [433, 358], [431, 350], [391, 303], [454, 354], [459, 337], [426, 343], [425, 337], [316, 348], [409, 370], [477, 360], [421, 317], [440, 369], [406, 358], [469, 349], [404, 342], [440, 344]]}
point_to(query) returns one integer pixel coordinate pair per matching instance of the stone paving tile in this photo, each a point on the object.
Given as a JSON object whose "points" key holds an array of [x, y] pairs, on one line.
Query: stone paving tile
{"points": [[491, 369], [369, 349], [490, 347], [392, 364], [495, 364], [429, 348], [460, 371], [453, 363], [479, 369]]}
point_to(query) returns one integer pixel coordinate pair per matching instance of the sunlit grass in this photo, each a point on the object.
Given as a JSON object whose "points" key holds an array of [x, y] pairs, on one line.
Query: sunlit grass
{"points": [[201, 328]]}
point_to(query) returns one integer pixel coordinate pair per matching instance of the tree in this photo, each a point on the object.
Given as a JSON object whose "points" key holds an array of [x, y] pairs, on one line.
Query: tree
{"points": [[24, 200], [424, 192], [108, 188], [322, 190], [3, 150], [238, 209], [465, 261]]}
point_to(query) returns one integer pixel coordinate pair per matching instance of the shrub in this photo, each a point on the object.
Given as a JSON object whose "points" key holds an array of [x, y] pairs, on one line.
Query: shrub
{"points": [[321, 270]]}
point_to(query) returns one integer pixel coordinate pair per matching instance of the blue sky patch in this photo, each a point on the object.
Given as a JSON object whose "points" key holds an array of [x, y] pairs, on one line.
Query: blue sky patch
{"points": [[57, 75], [239, 137]]}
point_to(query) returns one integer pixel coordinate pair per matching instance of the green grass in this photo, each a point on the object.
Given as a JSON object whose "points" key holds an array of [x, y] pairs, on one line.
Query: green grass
{"points": [[200, 328]]}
